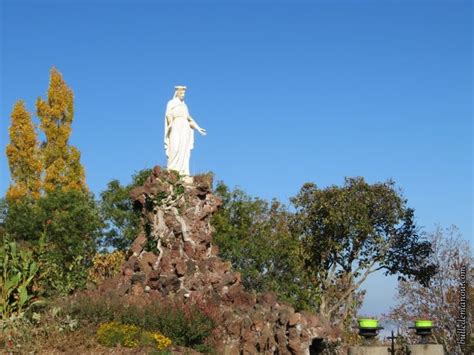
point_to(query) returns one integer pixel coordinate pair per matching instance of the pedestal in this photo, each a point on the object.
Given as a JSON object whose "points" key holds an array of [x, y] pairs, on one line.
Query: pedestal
{"points": [[368, 350], [426, 349]]}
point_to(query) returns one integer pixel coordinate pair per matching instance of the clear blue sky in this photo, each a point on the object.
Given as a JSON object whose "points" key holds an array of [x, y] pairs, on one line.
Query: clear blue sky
{"points": [[289, 92]]}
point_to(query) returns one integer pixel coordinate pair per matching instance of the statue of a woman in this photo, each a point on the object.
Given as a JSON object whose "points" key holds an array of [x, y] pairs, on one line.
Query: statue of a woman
{"points": [[179, 134]]}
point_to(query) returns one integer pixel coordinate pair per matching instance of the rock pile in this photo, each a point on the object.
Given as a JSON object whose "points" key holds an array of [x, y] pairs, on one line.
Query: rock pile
{"points": [[174, 257]]}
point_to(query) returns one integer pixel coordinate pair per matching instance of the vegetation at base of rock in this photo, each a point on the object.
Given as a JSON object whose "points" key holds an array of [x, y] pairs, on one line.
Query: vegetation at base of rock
{"points": [[61, 228], [105, 265], [118, 212], [185, 325], [114, 333], [23, 153], [50, 328], [17, 270]]}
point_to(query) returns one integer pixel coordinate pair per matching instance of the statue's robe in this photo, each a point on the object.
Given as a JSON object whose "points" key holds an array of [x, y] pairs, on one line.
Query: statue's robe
{"points": [[179, 136]]}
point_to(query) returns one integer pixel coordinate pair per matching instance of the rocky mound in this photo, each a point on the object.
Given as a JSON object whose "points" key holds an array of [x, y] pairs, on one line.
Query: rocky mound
{"points": [[174, 257]]}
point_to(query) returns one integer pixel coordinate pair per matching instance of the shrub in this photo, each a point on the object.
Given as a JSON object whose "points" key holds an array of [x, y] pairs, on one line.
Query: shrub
{"points": [[118, 212], [62, 229], [131, 336], [185, 325], [17, 270], [105, 265]]}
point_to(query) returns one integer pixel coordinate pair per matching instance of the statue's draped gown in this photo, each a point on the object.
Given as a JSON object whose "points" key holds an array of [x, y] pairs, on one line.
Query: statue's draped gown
{"points": [[180, 138]]}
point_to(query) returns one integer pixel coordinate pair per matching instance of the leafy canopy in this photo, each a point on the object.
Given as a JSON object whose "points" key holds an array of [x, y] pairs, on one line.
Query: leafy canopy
{"points": [[254, 235], [62, 229], [23, 155], [351, 231], [118, 212], [61, 160]]}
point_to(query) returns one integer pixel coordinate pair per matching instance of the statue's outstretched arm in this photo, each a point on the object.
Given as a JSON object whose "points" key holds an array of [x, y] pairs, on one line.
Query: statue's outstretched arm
{"points": [[195, 126]]}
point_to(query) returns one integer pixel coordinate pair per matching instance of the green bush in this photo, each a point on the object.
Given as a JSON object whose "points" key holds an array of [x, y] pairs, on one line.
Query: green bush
{"points": [[184, 325], [62, 228], [117, 210], [254, 235], [17, 270]]}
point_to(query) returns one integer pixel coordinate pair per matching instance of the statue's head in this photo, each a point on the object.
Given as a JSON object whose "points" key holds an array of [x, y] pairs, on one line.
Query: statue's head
{"points": [[180, 91]]}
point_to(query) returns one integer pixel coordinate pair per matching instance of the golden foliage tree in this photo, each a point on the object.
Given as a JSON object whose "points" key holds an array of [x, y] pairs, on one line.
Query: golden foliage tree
{"points": [[23, 155], [61, 161]]}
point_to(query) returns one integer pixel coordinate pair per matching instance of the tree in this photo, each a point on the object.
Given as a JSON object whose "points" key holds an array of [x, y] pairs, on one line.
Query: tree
{"points": [[23, 155], [61, 161], [62, 229], [254, 236], [123, 221], [440, 301], [350, 232]]}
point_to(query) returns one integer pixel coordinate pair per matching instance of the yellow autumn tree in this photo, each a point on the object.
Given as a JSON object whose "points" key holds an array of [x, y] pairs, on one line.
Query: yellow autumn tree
{"points": [[61, 161], [23, 155]]}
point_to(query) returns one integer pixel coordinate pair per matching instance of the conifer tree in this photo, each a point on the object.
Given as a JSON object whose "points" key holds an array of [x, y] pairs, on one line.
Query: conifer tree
{"points": [[23, 155], [61, 161]]}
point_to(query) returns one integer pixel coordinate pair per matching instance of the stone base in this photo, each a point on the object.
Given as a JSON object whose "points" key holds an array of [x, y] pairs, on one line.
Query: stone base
{"points": [[368, 350], [174, 260], [426, 349]]}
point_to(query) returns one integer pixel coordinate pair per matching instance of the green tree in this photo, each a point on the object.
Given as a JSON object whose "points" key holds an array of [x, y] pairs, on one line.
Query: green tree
{"points": [[122, 219], [23, 155], [61, 161], [254, 235], [62, 229], [350, 232]]}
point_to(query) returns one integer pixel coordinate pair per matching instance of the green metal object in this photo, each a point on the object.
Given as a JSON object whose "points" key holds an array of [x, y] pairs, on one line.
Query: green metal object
{"points": [[423, 323], [368, 323]]}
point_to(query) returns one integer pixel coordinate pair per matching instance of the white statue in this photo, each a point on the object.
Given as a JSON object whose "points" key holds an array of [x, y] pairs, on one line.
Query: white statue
{"points": [[179, 134]]}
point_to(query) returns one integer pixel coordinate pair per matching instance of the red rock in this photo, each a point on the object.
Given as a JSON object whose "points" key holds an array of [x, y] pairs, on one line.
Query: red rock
{"points": [[295, 346], [267, 298], [137, 290], [188, 249], [294, 319], [127, 272], [258, 320], [132, 263], [234, 328], [175, 254], [138, 244], [146, 261], [293, 333], [181, 268], [137, 194], [215, 250], [228, 279], [248, 348], [123, 287], [313, 320], [214, 278], [193, 273], [238, 277]]}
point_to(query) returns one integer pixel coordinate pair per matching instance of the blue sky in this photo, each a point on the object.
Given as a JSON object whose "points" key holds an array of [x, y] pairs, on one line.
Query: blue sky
{"points": [[289, 92]]}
